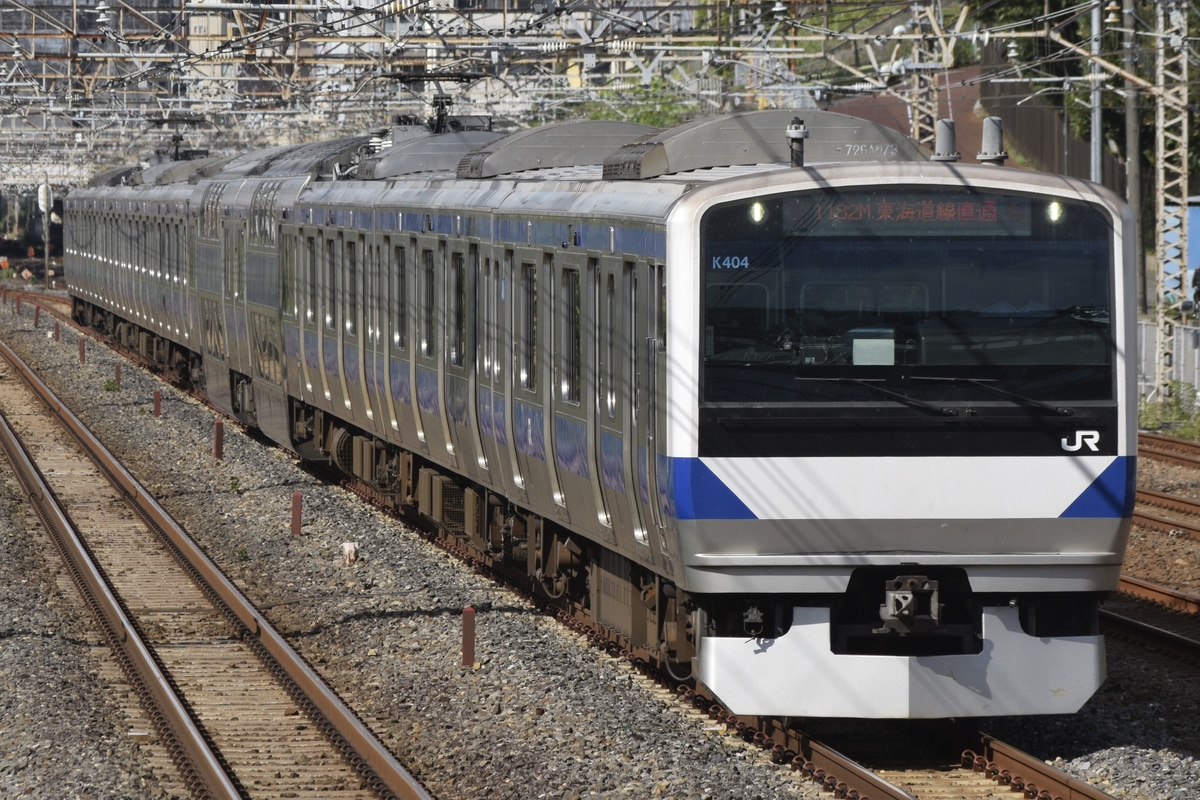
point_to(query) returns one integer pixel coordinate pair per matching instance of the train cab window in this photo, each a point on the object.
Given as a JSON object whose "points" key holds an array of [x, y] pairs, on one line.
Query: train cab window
{"points": [[571, 348], [351, 284], [907, 295]]}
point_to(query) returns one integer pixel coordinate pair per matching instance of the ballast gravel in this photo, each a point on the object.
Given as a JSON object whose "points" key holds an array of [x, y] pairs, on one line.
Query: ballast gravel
{"points": [[539, 714]]}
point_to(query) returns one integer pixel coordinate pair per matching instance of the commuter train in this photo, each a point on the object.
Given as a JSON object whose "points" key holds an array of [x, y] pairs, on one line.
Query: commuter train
{"points": [[779, 400]]}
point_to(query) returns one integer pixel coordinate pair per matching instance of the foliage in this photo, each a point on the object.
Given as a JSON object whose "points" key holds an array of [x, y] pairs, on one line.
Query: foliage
{"points": [[1039, 57], [1179, 416], [659, 104], [111, 385]]}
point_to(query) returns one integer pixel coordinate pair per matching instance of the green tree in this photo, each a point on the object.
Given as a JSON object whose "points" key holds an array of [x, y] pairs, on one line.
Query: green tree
{"points": [[660, 104]]}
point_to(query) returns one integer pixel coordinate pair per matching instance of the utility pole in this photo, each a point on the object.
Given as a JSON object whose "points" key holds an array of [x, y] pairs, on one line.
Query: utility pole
{"points": [[1097, 170], [46, 205], [1171, 211], [1133, 153]]}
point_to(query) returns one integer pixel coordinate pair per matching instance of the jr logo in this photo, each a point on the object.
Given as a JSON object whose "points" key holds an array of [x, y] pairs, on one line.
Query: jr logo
{"points": [[1090, 438]]}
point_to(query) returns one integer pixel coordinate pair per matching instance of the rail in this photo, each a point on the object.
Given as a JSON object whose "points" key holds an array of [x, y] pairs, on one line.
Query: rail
{"points": [[386, 775]]}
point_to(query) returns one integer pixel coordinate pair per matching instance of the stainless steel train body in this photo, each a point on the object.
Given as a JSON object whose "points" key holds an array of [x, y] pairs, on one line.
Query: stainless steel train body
{"points": [[852, 438]]}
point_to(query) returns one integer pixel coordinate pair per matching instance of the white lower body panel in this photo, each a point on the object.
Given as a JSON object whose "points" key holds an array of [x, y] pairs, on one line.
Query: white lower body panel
{"points": [[797, 675]]}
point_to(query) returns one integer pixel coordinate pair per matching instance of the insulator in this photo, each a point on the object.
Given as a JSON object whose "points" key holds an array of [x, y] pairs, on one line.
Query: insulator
{"points": [[553, 46]]}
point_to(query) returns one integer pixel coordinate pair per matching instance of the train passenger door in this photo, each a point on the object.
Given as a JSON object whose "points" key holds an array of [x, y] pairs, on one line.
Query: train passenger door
{"points": [[374, 303], [308, 313], [461, 311], [327, 338], [430, 350], [509, 349], [617, 445], [399, 378], [532, 411], [492, 353], [574, 389], [645, 390], [354, 331]]}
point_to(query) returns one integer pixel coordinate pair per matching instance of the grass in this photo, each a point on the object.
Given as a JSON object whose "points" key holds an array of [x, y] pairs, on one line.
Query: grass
{"points": [[1178, 416]]}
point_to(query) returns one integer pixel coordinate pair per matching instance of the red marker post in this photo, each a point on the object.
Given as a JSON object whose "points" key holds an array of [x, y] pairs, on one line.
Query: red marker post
{"points": [[296, 504], [219, 440], [468, 643]]}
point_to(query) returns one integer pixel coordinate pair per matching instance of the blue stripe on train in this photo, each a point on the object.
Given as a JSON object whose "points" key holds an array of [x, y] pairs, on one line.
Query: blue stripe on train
{"points": [[1110, 495], [699, 494]]}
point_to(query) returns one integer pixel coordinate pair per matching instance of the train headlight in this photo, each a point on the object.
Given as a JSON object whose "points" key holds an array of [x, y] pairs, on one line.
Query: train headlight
{"points": [[758, 212], [1054, 211]]}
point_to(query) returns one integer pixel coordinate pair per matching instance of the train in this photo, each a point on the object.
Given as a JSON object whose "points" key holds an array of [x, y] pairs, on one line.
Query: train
{"points": [[781, 401]]}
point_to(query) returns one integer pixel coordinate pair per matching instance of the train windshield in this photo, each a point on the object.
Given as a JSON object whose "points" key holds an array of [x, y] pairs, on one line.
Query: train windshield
{"points": [[907, 295]]}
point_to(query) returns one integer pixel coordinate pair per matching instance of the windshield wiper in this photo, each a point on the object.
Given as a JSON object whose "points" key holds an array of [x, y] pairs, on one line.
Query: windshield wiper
{"points": [[897, 396], [1016, 398]]}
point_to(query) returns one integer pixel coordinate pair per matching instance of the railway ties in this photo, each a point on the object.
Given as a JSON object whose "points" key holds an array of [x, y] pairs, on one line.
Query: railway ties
{"points": [[1170, 449], [1158, 614], [238, 712]]}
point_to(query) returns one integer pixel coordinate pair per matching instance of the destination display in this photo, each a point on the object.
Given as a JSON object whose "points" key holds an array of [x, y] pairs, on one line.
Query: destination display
{"points": [[905, 214]]}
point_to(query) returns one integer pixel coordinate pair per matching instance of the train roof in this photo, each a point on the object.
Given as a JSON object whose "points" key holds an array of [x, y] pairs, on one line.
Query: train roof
{"points": [[585, 150], [625, 151]]}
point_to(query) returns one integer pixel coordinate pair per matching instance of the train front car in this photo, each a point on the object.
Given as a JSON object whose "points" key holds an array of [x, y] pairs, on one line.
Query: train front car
{"points": [[902, 436]]}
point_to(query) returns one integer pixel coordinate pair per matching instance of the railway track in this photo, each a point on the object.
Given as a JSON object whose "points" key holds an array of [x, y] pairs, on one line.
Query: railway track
{"points": [[1157, 614], [1170, 449], [948, 761], [240, 712], [1183, 519], [1183, 515]]}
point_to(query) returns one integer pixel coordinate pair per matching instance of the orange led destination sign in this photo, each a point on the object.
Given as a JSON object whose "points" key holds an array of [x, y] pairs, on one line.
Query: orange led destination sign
{"points": [[905, 214]]}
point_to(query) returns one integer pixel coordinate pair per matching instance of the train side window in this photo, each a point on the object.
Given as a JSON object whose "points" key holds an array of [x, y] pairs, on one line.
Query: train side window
{"points": [[330, 285], [231, 271], [483, 361], [373, 299], [351, 285], [610, 346], [189, 261], [287, 276], [428, 310], [528, 358], [501, 270], [458, 315], [661, 327], [399, 293], [572, 330], [310, 257]]}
